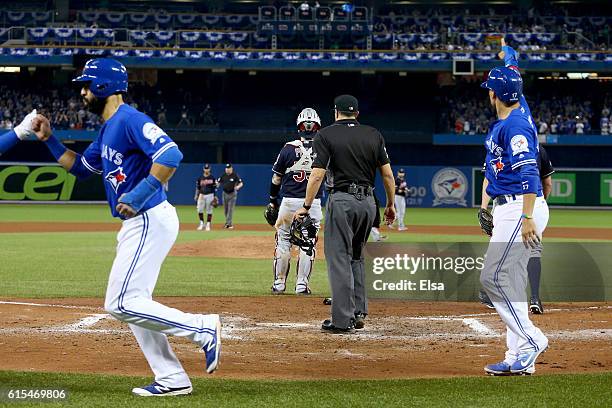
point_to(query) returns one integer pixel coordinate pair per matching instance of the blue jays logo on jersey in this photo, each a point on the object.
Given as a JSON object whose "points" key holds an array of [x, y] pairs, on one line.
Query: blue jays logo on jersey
{"points": [[116, 178], [497, 165]]}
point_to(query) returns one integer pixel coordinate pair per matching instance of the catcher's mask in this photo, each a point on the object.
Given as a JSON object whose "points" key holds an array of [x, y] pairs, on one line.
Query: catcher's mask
{"points": [[302, 233]]}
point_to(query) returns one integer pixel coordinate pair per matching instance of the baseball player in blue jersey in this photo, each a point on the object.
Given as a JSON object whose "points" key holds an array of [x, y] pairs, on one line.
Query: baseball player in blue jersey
{"points": [[135, 158], [20, 132], [291, 171], [519, 213]]}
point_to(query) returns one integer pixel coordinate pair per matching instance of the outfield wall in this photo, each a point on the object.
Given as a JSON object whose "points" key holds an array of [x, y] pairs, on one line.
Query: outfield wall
{"points": [[429, 186]]}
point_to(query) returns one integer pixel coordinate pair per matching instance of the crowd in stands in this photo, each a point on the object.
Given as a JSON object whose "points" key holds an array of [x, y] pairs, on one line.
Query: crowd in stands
{"points": [[398, 29], [66, 110], [468, 111]]}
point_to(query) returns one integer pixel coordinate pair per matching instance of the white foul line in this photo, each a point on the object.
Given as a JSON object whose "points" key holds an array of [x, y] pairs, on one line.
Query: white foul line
{"points": [[6, 302]]}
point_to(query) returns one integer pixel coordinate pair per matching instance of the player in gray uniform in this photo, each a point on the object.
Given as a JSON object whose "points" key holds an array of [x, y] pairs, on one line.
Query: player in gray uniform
{"points": [[291, 171], [205, 197]]}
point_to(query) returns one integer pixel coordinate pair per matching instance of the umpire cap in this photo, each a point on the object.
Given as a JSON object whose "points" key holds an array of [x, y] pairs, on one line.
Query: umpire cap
{"points": [[506, 83], [346, 104], [106, 76]]}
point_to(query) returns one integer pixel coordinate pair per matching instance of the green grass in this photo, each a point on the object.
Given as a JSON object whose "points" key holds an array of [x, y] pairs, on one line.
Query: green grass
{"points": [[253, 215], [577, 390]]}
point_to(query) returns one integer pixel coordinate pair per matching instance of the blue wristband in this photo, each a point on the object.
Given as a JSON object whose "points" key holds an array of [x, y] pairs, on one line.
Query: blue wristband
{"points": [[8, 140], [56, 147], [140, 194]]}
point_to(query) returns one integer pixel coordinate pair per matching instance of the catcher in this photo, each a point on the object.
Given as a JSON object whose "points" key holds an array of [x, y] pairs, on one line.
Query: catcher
{"points": [[291, 171], [205, 197]]}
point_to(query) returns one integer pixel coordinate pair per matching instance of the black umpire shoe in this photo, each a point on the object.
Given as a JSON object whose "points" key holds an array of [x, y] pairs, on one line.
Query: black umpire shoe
{"points": [[360, 320], [536, 306], [328, 327]]}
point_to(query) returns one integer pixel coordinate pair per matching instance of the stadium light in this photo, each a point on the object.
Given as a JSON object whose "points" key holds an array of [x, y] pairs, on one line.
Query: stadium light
{"points": [[10, 69]]}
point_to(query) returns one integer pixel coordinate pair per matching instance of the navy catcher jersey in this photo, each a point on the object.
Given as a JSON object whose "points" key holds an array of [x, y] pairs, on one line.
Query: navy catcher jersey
{"points": [[126, 147], [294, 165], [206, 184], [512, 150], [400, 186]]}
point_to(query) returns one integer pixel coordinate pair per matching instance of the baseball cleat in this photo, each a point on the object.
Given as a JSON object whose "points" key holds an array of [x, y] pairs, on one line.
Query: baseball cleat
{"points": [[402, 228], [157, 390], [303, 291], [276, 291], [485, 300], [329, 327], [360, 320], [207, 226], [212, 349], [504, 369], [200, 226], [327, 301], [526, 362], [536, 306]]}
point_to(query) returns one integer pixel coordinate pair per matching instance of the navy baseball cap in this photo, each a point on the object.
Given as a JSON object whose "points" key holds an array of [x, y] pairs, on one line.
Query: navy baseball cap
{"points": [[401, 171], [228, 166], [346, 103], [206, 166]]}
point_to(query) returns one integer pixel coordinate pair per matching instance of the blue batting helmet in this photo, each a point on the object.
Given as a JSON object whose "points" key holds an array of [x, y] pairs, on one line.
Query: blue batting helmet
{"points": [[506, 83], [105, 76]]}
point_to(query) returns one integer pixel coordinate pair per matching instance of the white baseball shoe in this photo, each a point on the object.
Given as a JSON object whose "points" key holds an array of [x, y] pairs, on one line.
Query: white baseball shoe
{"points": [[208, 226], [201, 226], [157, 390]]}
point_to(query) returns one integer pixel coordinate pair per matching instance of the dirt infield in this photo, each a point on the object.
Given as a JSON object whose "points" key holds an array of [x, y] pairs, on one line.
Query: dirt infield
{"points": [[279, 337], [552, 232]]}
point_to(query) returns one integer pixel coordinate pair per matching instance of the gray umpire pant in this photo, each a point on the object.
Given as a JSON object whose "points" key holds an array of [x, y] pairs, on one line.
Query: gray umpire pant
{"points": [[229, 202], [347, 224]]}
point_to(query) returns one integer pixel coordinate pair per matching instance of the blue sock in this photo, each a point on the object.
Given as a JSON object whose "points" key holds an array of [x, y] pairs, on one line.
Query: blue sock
{"points": [[534, 270]]}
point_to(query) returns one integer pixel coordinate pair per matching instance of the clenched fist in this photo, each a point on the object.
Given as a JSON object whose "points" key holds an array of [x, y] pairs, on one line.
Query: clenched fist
{"points": [[41, 128]]}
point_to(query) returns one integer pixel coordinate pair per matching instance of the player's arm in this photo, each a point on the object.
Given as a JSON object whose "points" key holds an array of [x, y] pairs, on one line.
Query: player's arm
{"points": [[197, 190], [81, 166], [485, 198], [20, 132], [239, 185], [278, 171], [546, 186], [521, 142], [389, 184]]}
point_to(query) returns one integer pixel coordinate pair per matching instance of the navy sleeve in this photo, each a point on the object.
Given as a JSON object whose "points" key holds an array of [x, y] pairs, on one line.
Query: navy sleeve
{"points": [[282, 163]]}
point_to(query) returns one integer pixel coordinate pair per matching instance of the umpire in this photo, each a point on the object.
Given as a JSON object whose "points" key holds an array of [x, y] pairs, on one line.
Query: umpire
{"points": [[350, 153]]}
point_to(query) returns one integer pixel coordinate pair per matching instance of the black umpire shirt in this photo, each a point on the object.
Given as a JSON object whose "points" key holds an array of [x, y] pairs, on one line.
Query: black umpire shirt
{"points": [[544, 164], [229, 182], [350, 152]]}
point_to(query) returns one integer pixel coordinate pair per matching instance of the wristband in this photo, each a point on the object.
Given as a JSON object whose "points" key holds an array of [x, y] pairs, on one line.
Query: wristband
{"points": [[56, 147], [140, 194], [307, 207], [527, 217]]}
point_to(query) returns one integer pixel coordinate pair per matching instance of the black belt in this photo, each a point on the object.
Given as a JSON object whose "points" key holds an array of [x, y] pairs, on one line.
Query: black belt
{"points": [[354, 189], [504, 199]]}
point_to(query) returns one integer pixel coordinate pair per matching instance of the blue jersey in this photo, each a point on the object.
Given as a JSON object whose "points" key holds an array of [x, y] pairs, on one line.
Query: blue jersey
{"points": [[124, 152], [294, 165], [512, 156]]}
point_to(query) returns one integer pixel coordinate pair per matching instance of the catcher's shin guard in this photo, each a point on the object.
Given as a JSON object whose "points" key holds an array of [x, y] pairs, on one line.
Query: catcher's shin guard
{"points": [[282, 262], [304, 270]]}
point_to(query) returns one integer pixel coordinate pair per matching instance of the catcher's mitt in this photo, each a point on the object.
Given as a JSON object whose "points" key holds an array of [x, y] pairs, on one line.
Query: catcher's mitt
{"points": [[303, 233], [271, 214], [215, 202], [485, 218]]}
